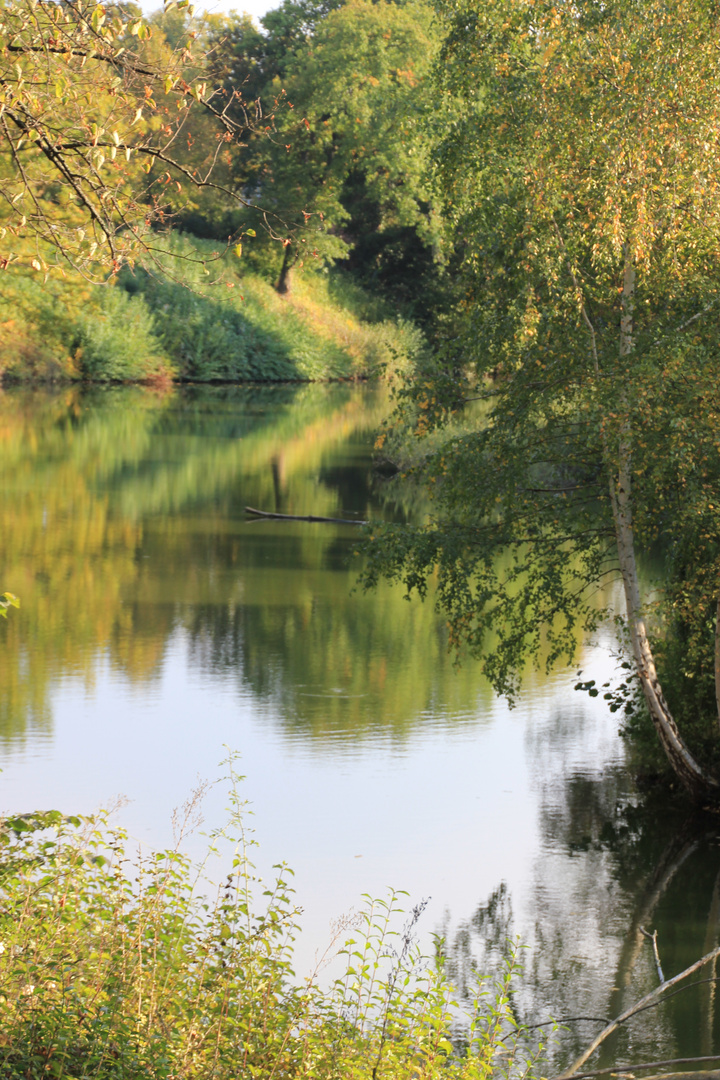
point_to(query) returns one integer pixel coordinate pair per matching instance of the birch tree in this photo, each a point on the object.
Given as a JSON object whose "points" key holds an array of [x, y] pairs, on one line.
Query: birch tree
{"points": [[580, 176]]}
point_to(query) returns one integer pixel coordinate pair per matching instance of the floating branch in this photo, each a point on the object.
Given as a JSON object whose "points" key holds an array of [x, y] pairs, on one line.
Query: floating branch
{"points": [[616, 1070], [304, 517]]}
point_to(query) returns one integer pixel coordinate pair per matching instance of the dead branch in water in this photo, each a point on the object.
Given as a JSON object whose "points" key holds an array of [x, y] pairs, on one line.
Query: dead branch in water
{"points": [[645, 1003], [617, 1070], [304, 517]]}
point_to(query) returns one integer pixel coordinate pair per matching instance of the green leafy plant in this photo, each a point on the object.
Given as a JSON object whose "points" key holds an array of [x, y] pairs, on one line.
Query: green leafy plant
{"points": [[118, 342], [223, 324], [117, 969]]}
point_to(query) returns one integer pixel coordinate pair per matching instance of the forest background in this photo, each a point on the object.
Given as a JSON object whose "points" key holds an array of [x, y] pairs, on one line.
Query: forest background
{"points": [[302, 158]]}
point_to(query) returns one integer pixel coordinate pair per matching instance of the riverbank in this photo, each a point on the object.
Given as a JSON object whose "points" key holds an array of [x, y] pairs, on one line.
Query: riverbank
{"points": [[196, 315]]}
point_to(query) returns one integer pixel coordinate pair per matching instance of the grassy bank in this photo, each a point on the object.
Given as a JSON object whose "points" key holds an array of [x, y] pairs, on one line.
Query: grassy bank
{"points": [[111, 969], [197, 317]]}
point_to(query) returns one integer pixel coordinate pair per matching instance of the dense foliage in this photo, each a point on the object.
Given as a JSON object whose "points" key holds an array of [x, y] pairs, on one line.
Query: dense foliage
{"points": [[111, 970], [579, 174], [341, 172], [300, 146], [92, 106], [219, 323]]}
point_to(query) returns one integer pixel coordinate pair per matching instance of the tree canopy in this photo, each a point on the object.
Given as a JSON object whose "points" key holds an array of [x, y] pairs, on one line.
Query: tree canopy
{"points": [[93, 109], [579, 175], [340, 149], [309, 131]]}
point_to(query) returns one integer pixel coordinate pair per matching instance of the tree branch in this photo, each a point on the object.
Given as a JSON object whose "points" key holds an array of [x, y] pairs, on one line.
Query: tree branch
{"points": [[646, 1002]]}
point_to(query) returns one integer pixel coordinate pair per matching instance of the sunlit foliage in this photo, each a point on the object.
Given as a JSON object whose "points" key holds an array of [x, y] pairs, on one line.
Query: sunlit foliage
{"points": [[112, 970], [92, 106], [579, 173]]}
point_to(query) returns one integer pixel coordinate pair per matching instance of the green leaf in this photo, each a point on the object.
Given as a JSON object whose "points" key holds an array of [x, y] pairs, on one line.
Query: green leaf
{"points": [[8, 600]]}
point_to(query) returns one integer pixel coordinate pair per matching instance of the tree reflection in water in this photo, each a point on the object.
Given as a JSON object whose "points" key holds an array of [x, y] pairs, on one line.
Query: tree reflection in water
{"points": [[614, 862]]}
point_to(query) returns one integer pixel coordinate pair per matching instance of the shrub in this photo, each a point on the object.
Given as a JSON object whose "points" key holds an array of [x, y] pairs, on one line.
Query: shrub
{"points": [[221, 323], [120, 972], [118, 342], [36, 321], [199, 314]]}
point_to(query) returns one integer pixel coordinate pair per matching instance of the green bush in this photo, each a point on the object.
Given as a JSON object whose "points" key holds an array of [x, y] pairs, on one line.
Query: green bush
{"points": [[118, 342], [37, 320], [199, 314], [210, 339], [129, 972]]}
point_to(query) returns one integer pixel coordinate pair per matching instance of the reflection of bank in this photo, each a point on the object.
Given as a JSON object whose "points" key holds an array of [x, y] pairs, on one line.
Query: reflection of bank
{"points": [[614, 866], [680, 901], [123, 524], [117, 508]]}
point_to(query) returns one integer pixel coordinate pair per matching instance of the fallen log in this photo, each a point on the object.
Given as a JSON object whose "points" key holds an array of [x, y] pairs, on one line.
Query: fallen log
{"points": [[303, 517], [617, 1070]]}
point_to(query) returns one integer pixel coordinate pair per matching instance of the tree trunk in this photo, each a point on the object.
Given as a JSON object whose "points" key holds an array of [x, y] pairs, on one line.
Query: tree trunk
{"points": [[717, 660], [698, 782], [282, 285]]}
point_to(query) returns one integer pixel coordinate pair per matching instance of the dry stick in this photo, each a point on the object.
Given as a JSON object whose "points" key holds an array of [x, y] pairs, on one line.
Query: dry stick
{"points": [[700, 1074], [653, 938], [559, 1021], [638, 1007], [711, 939]]}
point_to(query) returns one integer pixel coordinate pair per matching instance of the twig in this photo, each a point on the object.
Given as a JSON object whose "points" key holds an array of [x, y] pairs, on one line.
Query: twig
{"points": [[560, 1020], [653, 938], [398, 969]]}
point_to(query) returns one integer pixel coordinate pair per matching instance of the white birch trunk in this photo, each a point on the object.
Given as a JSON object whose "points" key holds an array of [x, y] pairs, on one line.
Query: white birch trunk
{"points": [[693, 776]]}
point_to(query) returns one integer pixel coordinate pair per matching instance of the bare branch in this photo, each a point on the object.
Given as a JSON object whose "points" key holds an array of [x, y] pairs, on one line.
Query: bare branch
{"points": [[646, 1002]]}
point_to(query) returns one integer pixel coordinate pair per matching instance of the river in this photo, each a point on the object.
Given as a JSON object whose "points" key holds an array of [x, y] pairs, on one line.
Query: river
{"points": [[161, 629]]}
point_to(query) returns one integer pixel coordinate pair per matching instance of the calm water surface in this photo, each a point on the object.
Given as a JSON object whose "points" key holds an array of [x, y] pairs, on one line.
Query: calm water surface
{"points": [[160, 626]]}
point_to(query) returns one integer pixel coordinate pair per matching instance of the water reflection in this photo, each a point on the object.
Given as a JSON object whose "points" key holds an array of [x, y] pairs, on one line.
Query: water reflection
{"points": [[123, 524], [158, 623], [333, 664], [613, 863]]}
